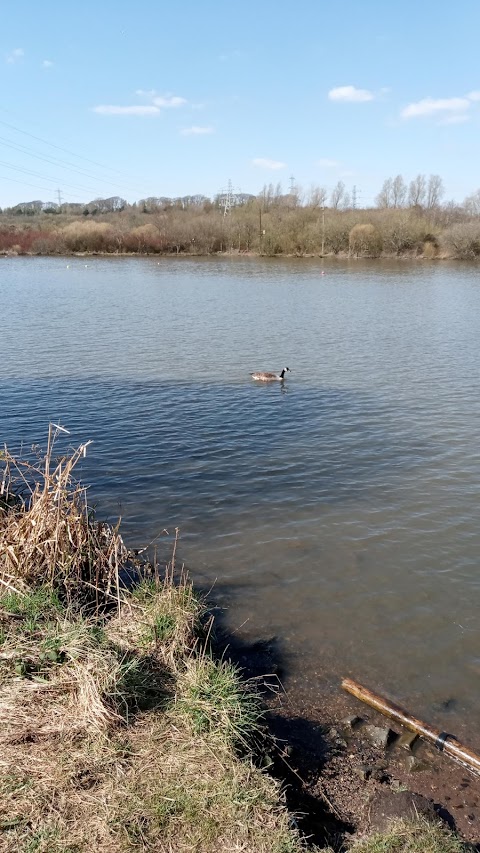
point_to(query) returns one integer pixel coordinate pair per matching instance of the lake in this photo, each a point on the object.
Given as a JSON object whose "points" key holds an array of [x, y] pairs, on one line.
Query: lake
{"points": [[338, 511]]}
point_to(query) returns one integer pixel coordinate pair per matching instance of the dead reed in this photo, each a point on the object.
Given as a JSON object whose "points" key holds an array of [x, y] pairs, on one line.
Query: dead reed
{"points": [[49, 536]]}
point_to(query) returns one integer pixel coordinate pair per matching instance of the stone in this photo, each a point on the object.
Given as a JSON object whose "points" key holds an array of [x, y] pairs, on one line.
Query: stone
{"points": [[414, 765], [407, 740], [379, 736], [351, 722], [385, 805]]}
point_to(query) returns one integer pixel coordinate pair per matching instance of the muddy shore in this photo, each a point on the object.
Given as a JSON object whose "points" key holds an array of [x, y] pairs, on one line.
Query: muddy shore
{"points": [[337, 777]]}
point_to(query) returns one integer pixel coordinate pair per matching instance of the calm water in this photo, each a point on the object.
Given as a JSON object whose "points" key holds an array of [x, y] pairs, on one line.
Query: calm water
{"points": [[339, 512]]}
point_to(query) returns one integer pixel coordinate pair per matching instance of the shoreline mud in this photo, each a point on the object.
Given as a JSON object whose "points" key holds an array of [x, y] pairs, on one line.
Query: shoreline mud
{"points": [[339, 774]]}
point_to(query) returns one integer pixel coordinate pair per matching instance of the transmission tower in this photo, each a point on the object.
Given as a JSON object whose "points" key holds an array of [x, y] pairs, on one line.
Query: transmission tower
{"points": [[354, 197], [292, 185], [59, 195], [227, 200]]}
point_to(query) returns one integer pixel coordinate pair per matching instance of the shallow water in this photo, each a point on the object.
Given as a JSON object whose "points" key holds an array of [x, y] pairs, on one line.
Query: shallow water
{"points": [[338, 511]]}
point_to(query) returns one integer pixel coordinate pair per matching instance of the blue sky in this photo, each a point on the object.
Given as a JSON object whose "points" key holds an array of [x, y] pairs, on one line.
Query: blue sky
{"points": [[157, 98]]}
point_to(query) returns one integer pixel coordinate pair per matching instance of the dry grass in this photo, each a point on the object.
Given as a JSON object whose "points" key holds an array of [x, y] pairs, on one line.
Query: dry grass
{"points": [[118, 731], [49, 536]]}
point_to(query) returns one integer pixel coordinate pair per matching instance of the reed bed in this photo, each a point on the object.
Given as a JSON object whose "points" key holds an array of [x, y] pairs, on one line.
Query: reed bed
{"points": [[48, 534]]}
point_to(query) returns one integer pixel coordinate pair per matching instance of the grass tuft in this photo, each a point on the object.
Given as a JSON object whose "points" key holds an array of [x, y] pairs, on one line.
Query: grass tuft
{"points": [[417, 836]]}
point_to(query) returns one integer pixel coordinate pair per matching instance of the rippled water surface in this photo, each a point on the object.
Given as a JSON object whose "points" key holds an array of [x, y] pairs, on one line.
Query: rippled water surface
{"points": [[339, 511]]}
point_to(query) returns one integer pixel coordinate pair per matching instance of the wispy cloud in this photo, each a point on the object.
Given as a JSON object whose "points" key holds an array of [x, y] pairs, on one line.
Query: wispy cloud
{"points": [[195, 130], [325, 163], [446, 110], [47, 63], [15, 55], [436, 107], [158, 103], [112, 110], [168, 101], [350, 94], [455, 118], [266, 163]]}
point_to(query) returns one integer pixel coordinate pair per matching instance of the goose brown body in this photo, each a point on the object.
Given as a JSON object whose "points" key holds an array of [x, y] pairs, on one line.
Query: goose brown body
{"points": [[270, 377]]}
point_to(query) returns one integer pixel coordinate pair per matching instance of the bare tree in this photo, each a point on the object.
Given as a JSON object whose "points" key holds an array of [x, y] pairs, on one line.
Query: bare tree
{"points": [[417, 191], [435, 191], [399, 191], [472, 203], [337, 195], [385, 196], [317, 196]]}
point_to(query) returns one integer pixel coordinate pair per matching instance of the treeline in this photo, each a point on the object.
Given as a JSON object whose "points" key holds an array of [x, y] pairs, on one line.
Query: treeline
{"points": [[409, 220]]}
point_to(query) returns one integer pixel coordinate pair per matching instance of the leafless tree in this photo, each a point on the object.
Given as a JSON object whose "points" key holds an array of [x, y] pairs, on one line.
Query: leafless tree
{"points": [[435, 191], [337, 195], [399, 191], [385, 196], [472, 203], [417, 191], [317, 197]]}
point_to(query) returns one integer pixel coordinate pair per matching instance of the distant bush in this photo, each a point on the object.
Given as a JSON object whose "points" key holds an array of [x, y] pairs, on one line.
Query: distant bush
{"points": [[144, 239], [90, 237], [365, 241], [462, 241]]}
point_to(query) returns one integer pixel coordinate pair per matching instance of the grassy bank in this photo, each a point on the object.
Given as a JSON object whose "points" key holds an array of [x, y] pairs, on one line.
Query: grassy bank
{"points": [[119, 731]]}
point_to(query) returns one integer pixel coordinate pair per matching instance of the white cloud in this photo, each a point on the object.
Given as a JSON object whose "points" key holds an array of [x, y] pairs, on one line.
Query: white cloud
{"points": [[197, 131], [473, 96], [15, 55], [455, 118], [266, 163], [169, 101], [436, 106], [325, 163], [158, 103], [47, 63], [350, 94], [112, 110]]}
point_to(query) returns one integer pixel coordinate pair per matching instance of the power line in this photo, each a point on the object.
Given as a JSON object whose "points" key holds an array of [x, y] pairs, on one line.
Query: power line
{"points": [[27, 184], [45, 177], [56, 162], [58, 147]]}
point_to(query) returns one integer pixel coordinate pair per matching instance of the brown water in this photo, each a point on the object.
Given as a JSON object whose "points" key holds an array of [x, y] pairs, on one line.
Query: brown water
{"points": [[338, 511]]}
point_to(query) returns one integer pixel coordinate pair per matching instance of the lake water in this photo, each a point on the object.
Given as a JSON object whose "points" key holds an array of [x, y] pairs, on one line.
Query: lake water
{"points": [[338, 511]]}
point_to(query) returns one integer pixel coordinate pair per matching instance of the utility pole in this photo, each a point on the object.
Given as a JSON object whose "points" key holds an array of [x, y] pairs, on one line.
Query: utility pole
{"points": [[323, 231]]}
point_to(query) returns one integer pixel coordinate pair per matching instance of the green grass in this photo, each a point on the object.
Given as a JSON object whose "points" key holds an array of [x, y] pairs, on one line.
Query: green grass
{"points": [[418, 836], [214, 700]]}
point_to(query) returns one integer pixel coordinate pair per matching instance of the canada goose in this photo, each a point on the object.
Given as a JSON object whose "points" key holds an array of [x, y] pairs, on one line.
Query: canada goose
{"points": [[270, 377]]}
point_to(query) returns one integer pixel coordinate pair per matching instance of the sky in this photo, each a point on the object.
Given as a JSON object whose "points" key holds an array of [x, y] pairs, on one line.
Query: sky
{"points": [[142, 98]]}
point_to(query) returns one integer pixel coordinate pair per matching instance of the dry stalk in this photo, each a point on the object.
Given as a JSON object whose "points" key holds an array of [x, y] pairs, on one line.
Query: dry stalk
{"points": [[49, 535]]}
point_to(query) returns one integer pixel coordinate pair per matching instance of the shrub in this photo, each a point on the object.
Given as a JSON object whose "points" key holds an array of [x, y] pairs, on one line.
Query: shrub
{"points": [[90, 237], [365, 241], [462, 241]]}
